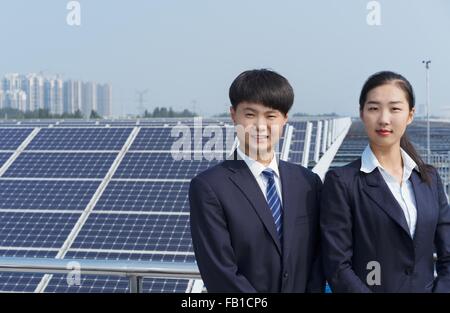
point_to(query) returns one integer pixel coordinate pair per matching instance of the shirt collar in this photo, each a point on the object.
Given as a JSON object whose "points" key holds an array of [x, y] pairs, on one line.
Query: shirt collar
{"points": [[257, 168], [369, 162]]}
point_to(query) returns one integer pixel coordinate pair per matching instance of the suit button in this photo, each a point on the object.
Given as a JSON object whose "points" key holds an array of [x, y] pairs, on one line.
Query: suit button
{"points": [[408, 271], [285, 275]]}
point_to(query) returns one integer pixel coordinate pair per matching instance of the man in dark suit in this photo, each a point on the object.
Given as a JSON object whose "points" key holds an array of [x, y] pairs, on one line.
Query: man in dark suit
{"points": [[255, 219]]}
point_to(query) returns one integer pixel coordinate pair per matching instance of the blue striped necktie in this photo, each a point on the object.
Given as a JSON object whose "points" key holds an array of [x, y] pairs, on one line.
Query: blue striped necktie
{"points": [[274, 202]]}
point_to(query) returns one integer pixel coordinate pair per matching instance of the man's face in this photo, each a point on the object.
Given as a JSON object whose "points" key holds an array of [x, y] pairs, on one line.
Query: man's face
{"points": [[258, 128]]}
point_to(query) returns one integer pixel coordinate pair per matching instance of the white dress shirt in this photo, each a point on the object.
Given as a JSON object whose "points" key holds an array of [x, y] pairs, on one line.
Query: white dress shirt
{"points": [[403, 193], [257, 168]]}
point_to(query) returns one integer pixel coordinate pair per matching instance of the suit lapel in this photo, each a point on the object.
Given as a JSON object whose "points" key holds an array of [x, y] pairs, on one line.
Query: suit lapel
{"points": [[379, 192], [246, 182]]}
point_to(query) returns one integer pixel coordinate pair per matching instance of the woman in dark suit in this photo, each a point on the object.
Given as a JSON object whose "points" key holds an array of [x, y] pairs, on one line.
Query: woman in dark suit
{"points": [[385, 214]]}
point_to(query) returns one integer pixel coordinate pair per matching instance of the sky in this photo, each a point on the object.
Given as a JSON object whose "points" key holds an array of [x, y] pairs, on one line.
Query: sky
{"points": [[187, 53]]}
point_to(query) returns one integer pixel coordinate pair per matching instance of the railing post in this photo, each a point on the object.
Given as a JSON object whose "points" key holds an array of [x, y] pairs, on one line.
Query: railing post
{"points": [[135, 284]]}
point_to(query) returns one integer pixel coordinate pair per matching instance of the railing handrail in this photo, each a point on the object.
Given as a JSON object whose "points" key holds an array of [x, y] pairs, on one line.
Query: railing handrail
{"points": [[101, 267]]}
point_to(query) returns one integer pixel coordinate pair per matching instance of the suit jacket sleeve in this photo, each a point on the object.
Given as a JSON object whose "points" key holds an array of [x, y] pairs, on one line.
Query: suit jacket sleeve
{"points": [[211, 241], [442, 242], [316, 282], [337, 239]]}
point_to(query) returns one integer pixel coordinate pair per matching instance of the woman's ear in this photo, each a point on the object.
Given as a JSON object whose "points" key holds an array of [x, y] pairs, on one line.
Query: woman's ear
{"points": [[412, 112]]}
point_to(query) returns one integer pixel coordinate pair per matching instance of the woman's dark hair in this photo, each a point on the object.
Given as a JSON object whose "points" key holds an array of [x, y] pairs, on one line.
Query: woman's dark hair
{"points": [[387, 77], [262, 86]]}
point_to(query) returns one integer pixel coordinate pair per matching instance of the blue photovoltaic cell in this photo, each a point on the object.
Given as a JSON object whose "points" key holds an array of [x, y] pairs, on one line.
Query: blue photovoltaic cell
{"points": [[56, 195], [299, 125], [144, 196], [35, 230], [135, 232], [295, 157], [106, 284], [312, 146], [27, 254], [61, 165], [80, 139], [12, 138], [297, 142], [164, 139], [19, 282], [4, 157], [162, 166], [154, 139]]}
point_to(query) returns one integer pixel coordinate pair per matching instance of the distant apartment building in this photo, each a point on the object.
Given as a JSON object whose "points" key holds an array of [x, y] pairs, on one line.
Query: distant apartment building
{"points": [[72, 98], [104, 99], [89, 94], [16, 99], [2, 99], [53, 95], [34, 91], [33, 86]]}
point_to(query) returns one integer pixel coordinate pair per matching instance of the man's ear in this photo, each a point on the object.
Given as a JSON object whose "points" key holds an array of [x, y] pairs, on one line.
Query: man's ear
{"points": [[285, 119], [233, 114]]}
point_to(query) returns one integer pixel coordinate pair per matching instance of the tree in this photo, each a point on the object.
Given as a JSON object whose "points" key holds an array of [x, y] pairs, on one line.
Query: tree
{"points": [[94, 115]]}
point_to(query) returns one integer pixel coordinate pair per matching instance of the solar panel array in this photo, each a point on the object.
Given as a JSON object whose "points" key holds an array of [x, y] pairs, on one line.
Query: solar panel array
{"points": [[140, 214], [104, 190]]}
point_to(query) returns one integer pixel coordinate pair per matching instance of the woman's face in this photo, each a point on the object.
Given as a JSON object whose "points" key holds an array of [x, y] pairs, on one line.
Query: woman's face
{"points": [[386, 114]]}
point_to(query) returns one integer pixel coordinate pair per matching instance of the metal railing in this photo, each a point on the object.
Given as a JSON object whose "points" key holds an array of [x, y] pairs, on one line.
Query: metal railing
{"points": [[442, 163], [135, 271]]}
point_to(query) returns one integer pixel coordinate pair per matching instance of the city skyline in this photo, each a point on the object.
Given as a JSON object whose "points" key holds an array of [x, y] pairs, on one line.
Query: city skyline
{"points": [[31, 92]]}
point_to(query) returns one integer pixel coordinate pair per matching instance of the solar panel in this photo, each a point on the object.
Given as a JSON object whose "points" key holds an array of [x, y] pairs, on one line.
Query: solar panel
{"points": [[61, 165], [11, 138], [160, 233], [297, 142], [80, 139], [144, 196], [4, 157], [35, 230], [19, 282], [163, 165], [313, 141], [108, 284], [163, 139], [46, 194]]}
